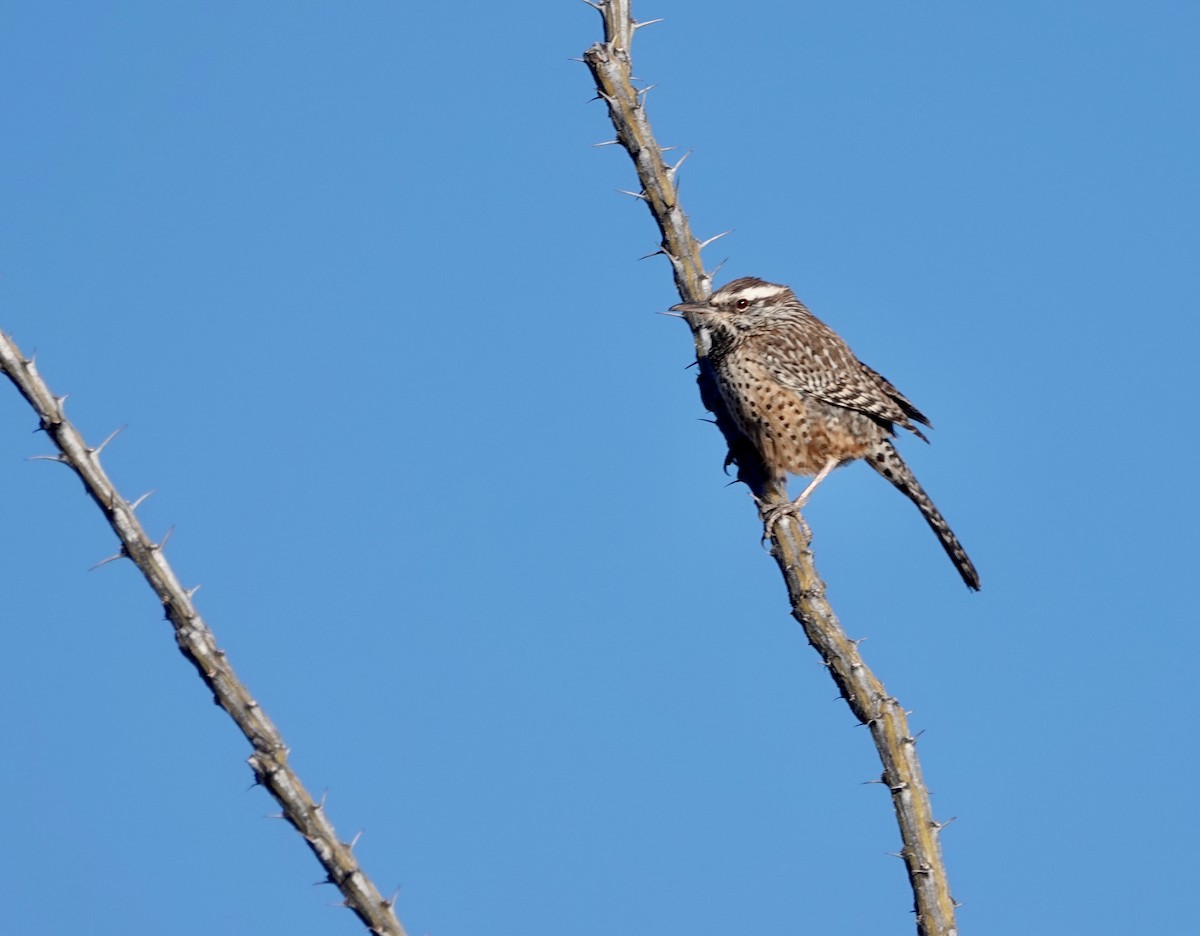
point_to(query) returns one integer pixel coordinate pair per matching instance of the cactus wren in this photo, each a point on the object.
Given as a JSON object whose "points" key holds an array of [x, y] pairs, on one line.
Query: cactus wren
{"points": [[795, 389]]}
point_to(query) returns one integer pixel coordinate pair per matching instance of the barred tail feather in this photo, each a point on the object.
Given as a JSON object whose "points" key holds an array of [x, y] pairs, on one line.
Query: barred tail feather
{"points": [[887, 461]]}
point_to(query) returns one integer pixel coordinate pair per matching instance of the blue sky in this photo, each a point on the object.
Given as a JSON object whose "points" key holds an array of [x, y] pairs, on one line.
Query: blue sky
{"points": [[363, 292]]}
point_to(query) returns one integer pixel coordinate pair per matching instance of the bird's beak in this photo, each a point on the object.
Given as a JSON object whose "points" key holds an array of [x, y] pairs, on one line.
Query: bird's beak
{"points": [[693, 308]]}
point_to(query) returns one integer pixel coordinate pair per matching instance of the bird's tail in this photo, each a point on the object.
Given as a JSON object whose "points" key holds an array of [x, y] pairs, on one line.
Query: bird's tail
{"points": [[887, 461]]}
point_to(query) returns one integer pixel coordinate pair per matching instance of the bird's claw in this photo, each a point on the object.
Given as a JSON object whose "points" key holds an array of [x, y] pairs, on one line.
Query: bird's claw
{"points": [[772, 514]]}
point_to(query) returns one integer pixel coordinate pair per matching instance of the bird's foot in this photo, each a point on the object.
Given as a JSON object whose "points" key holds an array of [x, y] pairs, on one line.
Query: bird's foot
{"points": [[772, 514]]}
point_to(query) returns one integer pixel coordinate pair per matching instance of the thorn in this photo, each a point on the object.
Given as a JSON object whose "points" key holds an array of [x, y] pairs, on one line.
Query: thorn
{"points": [[61, 459], [646, 90], [599, 8], [608, 143], [641, 195], [275, 815], [390, 902], [191, 592], [112, 558], [704, 244], [938, 826], [112, 435], [576, 59], [354, 841], [653, 254], [717, 269], [675, 168], [123, 553], [163, 542], [637, 26], [137, 503]]}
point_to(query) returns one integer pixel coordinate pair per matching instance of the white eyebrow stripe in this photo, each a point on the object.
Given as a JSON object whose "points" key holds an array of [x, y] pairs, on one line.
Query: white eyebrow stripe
{"points": [[765, 291]]}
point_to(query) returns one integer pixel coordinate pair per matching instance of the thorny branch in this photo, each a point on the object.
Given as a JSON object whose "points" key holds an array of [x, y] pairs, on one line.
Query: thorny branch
{"points": [[610, 64], [199, 645]]}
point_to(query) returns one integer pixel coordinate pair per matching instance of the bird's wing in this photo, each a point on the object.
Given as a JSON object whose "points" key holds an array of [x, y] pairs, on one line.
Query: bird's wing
{"points": [[814, 360]]}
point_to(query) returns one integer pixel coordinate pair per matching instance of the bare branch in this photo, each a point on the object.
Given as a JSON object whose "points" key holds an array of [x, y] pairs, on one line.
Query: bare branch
{"points": [[199, 645]]}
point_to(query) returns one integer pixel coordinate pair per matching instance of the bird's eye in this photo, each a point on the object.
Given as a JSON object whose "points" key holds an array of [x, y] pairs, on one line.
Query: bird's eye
{"points": [[742, 305]]}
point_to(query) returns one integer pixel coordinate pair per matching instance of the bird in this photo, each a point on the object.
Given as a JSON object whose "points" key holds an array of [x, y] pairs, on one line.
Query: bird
{"points": [[798, 393]]}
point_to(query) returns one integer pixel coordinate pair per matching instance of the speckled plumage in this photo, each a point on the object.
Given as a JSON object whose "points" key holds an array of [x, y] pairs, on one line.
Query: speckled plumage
{"points": [[795, 389]]}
